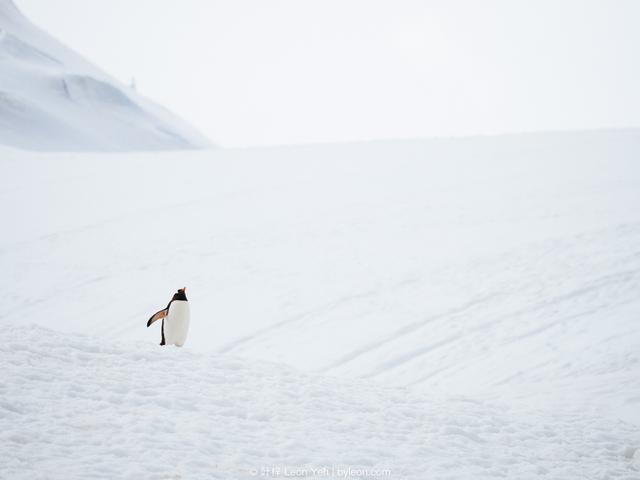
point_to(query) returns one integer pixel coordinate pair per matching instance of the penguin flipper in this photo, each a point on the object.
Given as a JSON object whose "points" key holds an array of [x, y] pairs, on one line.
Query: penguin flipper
{"points": [[157, 316]]}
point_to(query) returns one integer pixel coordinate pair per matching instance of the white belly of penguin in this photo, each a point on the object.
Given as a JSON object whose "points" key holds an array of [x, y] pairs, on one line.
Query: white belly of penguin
{"points": [[176, 324]]}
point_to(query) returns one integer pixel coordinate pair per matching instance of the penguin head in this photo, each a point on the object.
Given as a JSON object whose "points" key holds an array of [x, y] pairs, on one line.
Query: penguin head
{"points": [[181, 294]]}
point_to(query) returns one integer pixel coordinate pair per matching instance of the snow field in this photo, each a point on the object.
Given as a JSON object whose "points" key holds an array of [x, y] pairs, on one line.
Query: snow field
{"points": [[452, 308]]}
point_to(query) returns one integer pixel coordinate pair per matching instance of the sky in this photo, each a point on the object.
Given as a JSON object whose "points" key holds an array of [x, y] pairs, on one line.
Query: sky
{"points": [[258, 72]]}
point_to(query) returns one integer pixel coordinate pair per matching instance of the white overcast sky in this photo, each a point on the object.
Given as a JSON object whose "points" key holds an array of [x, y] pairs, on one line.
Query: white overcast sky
{"points": [[256, 72]]}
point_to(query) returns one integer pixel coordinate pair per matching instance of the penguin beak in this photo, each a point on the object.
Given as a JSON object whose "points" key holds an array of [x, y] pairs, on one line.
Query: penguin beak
{"points": [[185, 289]]}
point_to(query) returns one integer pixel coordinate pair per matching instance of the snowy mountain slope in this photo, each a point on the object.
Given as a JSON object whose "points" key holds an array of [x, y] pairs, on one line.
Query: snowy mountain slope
{"points": [[460, 307], [82, 407], [53, 99]]}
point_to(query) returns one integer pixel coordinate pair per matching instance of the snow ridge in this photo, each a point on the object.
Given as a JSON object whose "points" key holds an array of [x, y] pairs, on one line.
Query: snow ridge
{"points": [[53, 99]]}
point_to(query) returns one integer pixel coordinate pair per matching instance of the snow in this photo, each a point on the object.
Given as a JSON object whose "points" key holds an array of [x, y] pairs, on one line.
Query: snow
{"points": [[80, 407], [53, 99], [448, 308]]}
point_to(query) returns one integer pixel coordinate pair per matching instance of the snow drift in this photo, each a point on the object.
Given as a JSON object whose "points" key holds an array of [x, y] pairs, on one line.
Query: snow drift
{"points": [[53, 99], [74, 406]]}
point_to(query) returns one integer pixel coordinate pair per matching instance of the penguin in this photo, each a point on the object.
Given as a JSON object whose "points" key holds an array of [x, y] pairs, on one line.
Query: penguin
{"points": [[176, 316]]}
